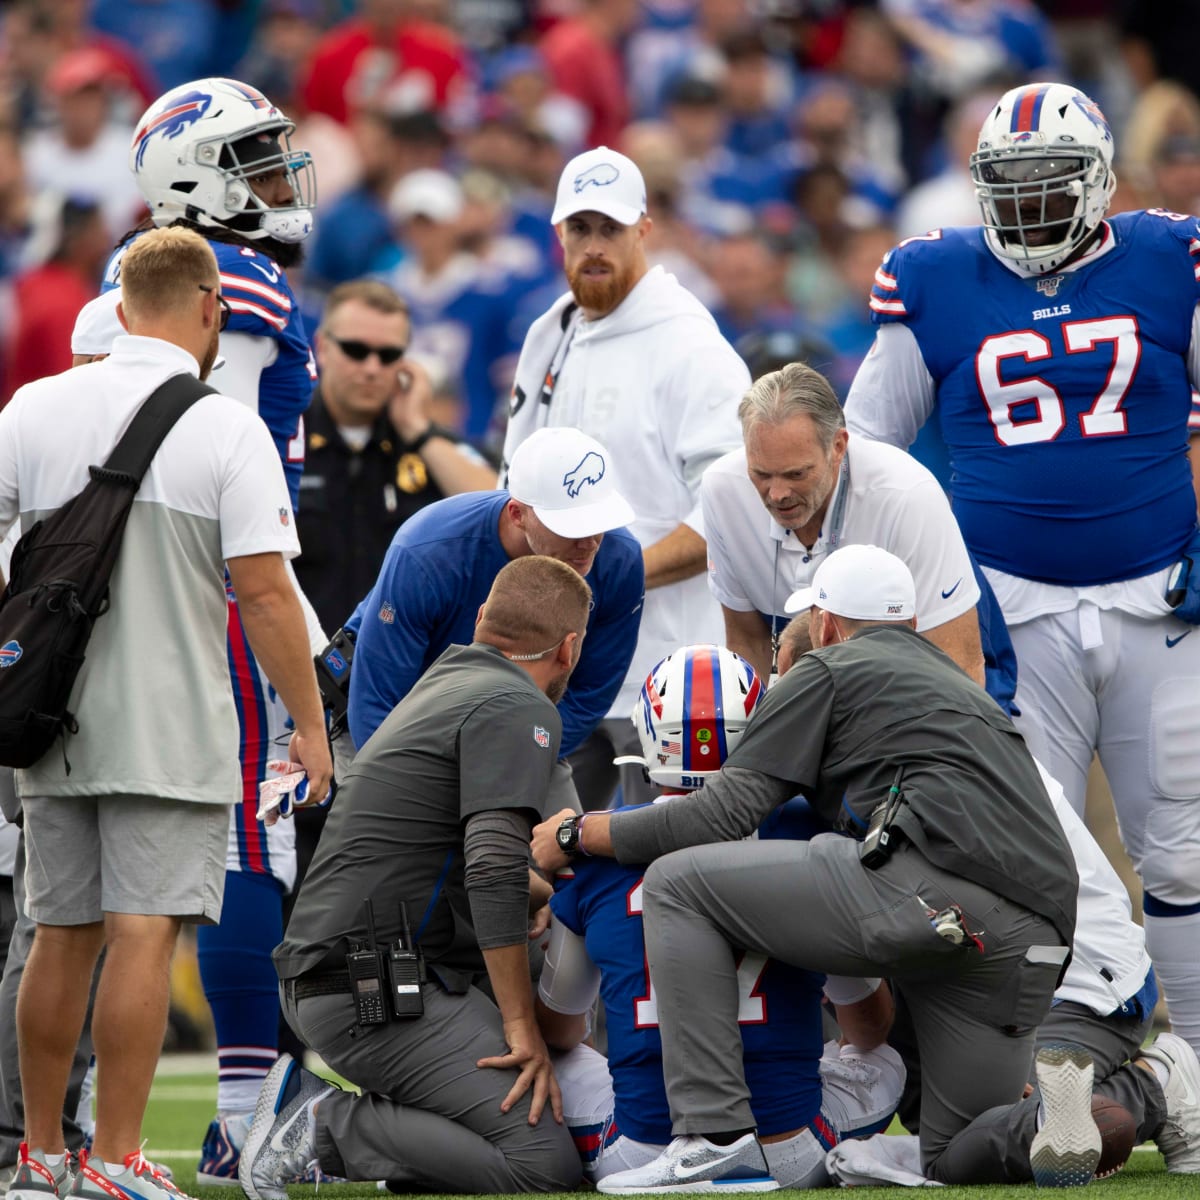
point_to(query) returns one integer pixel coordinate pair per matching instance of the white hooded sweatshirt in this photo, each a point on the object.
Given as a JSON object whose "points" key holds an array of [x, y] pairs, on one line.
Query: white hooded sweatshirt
{"points": [[658, 386]]}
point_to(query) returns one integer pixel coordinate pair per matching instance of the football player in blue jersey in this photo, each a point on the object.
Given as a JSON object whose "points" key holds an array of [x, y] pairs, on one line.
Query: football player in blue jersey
{"points": [[215, 155], [691, 712], [1060, 347]]}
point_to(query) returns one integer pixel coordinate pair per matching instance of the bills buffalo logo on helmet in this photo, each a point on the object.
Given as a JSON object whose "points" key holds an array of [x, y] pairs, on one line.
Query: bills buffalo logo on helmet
{"points": [[185, 112]]}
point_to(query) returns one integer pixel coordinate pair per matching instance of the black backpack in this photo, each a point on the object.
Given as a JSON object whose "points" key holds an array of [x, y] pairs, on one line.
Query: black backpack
{"points": [[58, 582]]}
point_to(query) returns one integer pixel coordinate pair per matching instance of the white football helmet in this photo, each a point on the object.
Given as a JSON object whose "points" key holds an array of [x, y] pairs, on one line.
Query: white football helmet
{"points": [[196, 148], [692, 710], [1043, 174]]}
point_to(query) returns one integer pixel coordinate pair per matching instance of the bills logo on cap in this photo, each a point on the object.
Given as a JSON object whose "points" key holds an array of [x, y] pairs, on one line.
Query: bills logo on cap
{"points": [[601, 175], [9, 653], [590, 470], [541, 736], [185, 111]]}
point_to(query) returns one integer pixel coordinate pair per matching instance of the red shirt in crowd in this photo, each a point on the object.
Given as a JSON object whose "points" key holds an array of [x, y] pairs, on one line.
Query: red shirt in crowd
{"points": [[589, 69], [48, 300], [351, 66]]}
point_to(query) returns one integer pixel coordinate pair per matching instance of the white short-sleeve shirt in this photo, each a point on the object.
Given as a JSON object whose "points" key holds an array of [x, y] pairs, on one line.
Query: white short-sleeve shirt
{"points": [[153, 699], [892, 501]]}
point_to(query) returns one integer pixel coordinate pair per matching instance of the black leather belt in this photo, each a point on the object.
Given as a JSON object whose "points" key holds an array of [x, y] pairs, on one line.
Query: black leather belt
{"points": [[321, 983]]}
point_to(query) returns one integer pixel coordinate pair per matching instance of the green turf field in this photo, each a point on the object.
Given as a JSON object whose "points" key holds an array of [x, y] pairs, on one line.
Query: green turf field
{"points": [[182, 1105]]}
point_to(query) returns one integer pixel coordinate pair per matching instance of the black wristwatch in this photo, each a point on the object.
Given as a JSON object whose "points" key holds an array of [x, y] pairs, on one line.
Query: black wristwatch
{"points": [[567, 835]]}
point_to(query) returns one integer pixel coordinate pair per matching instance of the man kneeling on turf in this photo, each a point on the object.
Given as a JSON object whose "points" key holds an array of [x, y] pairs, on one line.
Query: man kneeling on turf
{"points": [[691, 712]]}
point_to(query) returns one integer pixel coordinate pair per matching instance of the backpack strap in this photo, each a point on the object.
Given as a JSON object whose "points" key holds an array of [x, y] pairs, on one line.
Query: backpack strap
{"points": [[132, 455]]}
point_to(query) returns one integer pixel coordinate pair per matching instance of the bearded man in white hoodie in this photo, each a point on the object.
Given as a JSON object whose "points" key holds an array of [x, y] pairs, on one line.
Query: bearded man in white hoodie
{"points": [[633, 359]]}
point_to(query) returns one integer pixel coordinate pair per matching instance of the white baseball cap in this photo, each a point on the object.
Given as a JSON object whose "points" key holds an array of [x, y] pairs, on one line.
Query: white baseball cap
{"points": [[97, 325], [426, 193], [602, 181], [566, 477], [863, 583]]}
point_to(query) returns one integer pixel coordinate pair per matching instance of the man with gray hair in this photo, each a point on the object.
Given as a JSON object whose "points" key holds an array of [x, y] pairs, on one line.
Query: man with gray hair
{"points": [[823, 488]]}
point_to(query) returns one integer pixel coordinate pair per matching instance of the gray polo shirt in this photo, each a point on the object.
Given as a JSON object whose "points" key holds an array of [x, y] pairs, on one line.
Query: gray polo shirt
{"points": [[837, 726], [474, 734]]}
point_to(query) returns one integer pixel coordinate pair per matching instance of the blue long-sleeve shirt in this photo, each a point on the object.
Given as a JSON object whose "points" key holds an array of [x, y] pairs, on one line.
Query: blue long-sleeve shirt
{"points": [[439, 570]]}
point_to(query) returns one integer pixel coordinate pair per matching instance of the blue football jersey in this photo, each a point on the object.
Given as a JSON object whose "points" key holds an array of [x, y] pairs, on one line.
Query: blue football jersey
{"points": [[262, 304], [779, 1009], [1065, 399]]}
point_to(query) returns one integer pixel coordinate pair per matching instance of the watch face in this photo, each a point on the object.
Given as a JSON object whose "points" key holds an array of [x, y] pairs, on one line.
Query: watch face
{"points": [[567, 834]]}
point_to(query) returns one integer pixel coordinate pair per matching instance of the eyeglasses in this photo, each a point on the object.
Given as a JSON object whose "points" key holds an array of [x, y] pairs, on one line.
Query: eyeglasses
{"points": [[361, 351], [225, 309]]}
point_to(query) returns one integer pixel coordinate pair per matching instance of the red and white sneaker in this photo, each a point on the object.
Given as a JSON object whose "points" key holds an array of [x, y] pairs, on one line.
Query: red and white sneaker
{"points": [[138, 1179], [37, 1179]]}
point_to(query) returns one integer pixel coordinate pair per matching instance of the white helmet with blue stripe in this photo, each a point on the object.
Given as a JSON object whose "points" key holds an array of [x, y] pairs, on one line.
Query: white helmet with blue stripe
{"points": [[1043, 175], [196, 149], [693, 709]]}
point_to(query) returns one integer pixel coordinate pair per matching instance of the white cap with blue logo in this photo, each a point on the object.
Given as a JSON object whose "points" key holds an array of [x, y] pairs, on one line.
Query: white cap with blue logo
{"points": [[603, 181], [567, 479]]}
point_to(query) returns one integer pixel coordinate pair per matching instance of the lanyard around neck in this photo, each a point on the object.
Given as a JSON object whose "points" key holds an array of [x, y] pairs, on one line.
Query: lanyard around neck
{"points": [[836, 519]]}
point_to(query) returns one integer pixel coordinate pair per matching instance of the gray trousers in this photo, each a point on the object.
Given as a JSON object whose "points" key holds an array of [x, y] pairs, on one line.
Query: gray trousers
{"points": [[814, 905], [12, 1108], [994, 1148], [428, 1116]]}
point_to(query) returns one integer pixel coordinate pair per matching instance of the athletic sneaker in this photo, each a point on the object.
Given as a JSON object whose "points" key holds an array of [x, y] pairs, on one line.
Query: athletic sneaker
{"points": [[74, 1157], [36, 1179], [138, 1179], [1066, 1149], [281, 1146], [1179, 1138], [694, 1164], [218, 1166]]}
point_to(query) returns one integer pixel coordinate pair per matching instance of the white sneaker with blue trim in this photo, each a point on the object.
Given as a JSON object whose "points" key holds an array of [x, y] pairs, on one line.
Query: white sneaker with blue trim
{"points": [[694, 1164]]}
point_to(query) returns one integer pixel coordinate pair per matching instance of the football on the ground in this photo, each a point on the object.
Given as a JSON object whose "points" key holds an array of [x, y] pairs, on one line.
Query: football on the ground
{"points": [[1117, 1134]]}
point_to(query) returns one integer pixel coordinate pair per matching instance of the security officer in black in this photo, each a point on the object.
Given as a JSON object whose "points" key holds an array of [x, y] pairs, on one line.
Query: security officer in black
{"points": [[374, 456]]}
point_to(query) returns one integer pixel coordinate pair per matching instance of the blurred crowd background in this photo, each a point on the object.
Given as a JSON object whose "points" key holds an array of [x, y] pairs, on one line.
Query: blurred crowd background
{"points": [[786, 144]]}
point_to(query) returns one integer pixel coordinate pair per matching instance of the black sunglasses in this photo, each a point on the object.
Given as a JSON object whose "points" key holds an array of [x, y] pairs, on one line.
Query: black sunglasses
{"points": [[361, 351], [225, 309]]}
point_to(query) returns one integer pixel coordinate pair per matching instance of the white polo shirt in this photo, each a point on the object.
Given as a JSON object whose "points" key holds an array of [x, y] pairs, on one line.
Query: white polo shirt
{"points": [[153, 699], [889, 500]]}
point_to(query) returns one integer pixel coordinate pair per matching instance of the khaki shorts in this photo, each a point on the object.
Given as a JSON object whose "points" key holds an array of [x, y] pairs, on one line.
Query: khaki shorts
{"points": [[91, 855]]}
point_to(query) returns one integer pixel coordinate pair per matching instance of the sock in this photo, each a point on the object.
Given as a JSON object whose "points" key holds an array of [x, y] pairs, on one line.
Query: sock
{"points": [[242, 987], [83, 1115], [1174, 944], [54, 1160], [1161, 1073]]}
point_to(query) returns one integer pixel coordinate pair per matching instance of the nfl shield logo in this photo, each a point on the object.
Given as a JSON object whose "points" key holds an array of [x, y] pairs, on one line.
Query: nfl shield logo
{"points": [[541, 737], [285, 516], [387, 614]]}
